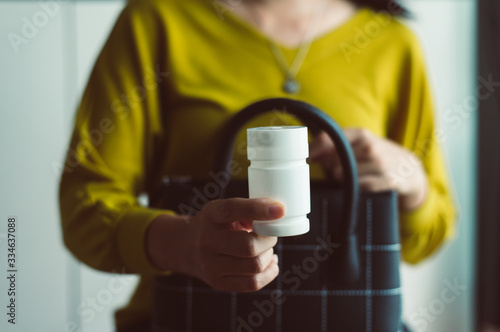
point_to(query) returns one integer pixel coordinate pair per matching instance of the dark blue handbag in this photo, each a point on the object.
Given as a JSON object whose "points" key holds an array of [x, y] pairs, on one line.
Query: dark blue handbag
{"points": [[341, 276]]}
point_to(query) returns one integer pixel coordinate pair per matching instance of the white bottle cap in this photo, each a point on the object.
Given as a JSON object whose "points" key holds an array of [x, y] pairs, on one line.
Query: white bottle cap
{"points": [[277, 143]]}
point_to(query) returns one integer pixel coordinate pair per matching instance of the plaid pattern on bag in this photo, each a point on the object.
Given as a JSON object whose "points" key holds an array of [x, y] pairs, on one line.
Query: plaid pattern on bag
{"points": [[302, 297]]}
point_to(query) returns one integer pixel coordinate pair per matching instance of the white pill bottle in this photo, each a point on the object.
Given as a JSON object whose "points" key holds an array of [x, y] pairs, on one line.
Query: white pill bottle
{"points": [[278, 170]]}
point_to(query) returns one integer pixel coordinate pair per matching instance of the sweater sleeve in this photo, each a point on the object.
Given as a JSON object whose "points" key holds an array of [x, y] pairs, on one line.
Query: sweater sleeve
{"points": [[424, 229], [116, 127]]}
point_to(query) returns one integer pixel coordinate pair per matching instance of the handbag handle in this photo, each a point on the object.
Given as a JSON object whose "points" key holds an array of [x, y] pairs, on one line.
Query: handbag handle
{"points": [[316, 119], [311, 116]]}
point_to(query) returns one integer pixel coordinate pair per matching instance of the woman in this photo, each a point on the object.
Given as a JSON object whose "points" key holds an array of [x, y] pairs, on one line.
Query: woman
{"points": [[173, 72]]}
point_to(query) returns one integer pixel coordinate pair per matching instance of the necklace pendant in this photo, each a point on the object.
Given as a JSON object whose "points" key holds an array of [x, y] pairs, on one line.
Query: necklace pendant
{"points": [[291, 86]]}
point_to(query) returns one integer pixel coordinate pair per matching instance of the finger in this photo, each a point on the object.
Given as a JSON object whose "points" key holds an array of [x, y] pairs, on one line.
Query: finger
{"points": [[364, 144], [371, 167], [323, 152], [365, 166], [229, 210], [357, 135], [230, 265], [365, 150], [337, 173], [328, 160], [373, 183], [243, 244], [321, 145], [250, 283]]}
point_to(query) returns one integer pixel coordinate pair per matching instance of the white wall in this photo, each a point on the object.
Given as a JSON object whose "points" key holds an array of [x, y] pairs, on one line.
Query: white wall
{"points": [[31, 137], [39, 90], [447, 31], [41, 82]]}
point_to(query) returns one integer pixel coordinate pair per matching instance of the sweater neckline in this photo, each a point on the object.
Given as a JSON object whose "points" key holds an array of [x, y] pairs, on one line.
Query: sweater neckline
{"points": [[329, 36]]}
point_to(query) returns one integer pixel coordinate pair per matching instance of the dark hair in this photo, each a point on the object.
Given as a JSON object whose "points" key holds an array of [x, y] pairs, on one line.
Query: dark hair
{"points": [[392, 6]]}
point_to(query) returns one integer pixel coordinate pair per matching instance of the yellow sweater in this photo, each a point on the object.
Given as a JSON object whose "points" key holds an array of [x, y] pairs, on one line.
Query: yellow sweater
{"points": [[173, 72]]}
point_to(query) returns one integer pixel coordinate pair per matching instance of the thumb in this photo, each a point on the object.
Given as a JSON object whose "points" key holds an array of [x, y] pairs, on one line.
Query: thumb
{"points": [[243, 209]]}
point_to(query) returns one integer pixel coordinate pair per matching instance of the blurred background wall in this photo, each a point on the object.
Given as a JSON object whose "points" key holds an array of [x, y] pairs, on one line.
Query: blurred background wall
{"points": [[41, 81]]}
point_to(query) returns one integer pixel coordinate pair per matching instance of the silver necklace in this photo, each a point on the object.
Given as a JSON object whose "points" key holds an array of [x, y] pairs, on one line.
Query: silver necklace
{"points": [[290, 84]]}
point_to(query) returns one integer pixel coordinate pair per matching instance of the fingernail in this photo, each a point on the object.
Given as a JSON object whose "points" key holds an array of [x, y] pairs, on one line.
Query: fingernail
{"points": [[275, 211]]}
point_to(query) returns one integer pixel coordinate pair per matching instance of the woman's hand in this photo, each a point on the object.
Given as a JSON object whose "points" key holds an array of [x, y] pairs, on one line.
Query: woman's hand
{"points": [[382, 165], [216, 245]]}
